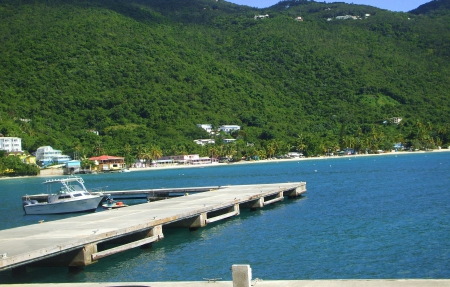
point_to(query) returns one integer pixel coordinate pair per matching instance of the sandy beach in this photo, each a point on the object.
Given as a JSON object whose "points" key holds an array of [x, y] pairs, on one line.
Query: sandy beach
{"points": [[181, 166]]}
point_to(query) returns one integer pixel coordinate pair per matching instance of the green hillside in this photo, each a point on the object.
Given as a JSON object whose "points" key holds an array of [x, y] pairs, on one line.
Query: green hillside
{"points": [[144, 73]]}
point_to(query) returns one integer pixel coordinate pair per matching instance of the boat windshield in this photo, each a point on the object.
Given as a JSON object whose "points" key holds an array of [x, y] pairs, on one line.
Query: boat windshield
{"points": [[70, 188]]}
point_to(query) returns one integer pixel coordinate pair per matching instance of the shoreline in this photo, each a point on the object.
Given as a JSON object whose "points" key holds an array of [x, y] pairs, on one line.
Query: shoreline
{"points": [[278, 160], [160, 167]]}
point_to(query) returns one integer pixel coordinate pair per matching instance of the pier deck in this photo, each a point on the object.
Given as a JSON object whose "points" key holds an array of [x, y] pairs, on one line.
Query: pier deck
{"points": [[77, 241]]}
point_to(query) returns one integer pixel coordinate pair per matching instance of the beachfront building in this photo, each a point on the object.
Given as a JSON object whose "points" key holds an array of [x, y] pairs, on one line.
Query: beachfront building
{"points": [[72, 167], [46, 155], [229, 128], [193, 159], [108, 163], [11, 144], [294, 155]]}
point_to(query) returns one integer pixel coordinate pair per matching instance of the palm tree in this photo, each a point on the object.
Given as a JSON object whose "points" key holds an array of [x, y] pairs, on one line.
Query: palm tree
{"points": [[155, 152], [262, 153], [146, 155], [300, 143], [271, 148], [127, 153], [230, 149], [99, 150], [86, 163], [139, 153], [213, 151]]}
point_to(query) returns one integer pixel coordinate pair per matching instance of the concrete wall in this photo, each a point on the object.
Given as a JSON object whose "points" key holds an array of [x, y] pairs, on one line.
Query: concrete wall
{"points": [[51, 171]]}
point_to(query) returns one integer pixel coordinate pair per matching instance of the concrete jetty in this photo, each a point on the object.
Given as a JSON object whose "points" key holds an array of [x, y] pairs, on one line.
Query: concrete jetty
{"points": [[82, 240]]}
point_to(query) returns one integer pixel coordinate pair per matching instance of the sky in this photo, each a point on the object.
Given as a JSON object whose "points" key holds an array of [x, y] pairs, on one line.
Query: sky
{"points": [[393, 5]]}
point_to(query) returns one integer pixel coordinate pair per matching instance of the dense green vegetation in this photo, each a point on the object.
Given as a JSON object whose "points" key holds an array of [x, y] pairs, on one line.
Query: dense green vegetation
{"points": [[143, 73]]}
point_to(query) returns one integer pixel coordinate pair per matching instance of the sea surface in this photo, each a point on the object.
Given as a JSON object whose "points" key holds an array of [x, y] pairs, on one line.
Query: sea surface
{"points": [[361, 218]]}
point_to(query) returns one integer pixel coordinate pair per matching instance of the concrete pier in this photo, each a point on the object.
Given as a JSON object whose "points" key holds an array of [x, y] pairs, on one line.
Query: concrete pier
{"points": [[79, 241]]}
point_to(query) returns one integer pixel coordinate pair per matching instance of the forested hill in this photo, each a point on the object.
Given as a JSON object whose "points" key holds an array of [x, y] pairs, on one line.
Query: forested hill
{"points": [[145, 72]]}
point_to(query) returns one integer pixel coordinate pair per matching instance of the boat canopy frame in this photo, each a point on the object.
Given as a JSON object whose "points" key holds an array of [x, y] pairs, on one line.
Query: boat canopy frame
{"points": [[66, 186]]}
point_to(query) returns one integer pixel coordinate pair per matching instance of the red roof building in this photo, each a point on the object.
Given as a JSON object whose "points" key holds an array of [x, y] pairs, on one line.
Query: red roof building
{"points": [[108, 163]]}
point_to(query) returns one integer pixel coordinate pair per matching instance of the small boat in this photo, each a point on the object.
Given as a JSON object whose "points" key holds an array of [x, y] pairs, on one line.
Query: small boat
{"points": [[71, 196], [112, 204]]}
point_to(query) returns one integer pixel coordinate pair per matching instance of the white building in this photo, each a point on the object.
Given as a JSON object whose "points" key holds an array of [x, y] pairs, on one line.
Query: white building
{"points": [[206, 127], [229, 128], [261, 16], [11, 144], [396, 120], [346, 17], [46, 155], [294, 155], [204, 141], [188, 159]]}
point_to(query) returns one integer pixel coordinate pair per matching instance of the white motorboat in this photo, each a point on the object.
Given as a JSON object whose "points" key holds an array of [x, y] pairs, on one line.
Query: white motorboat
{"points": [[71, 196]]}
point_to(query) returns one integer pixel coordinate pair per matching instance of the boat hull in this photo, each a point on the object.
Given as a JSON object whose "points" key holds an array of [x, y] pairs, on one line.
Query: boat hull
{"points": [[69, 206]]}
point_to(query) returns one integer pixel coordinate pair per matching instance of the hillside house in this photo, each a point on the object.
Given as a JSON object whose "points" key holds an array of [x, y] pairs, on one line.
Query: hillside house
{"points": [[261, 16], [396, 120], [204, 141], [229, 128], [11, 144], [346, 17], [206, 127]]}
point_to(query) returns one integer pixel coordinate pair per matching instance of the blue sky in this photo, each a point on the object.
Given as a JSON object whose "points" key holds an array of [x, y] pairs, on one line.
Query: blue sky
{"points": [[393, 5]]}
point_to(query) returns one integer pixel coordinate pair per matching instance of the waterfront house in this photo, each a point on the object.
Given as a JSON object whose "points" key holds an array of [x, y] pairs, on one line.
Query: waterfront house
{"points": [[46, 155], [72, 167], [187, 159], [108, 163], [294, 155]]}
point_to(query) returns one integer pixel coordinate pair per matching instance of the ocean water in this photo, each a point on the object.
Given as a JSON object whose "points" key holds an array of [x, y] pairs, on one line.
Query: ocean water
{"points": [[361, 218]]}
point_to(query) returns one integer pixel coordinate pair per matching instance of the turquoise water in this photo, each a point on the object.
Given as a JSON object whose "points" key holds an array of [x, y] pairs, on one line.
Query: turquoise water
{"points": [[362, 217]]}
